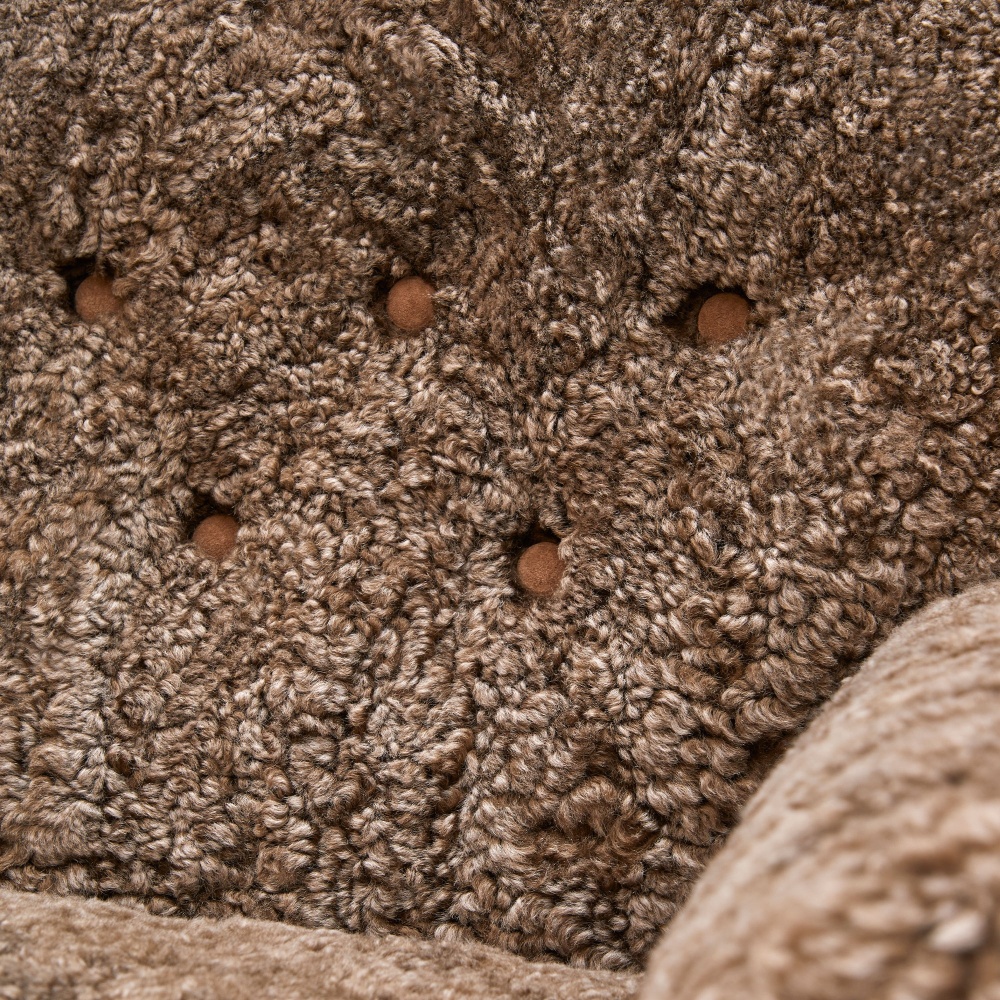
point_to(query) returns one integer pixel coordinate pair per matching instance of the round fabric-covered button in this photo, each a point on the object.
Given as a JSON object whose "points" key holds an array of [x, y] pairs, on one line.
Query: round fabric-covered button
{"points": [[94, 299], [722, 317], [539, 569], [216, 536], [410, 305]]}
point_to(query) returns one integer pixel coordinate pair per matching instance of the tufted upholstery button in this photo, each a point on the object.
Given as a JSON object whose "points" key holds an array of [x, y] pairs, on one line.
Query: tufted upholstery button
{"points": [[410, 305], [94, 299], [216, 536], [539, 569], [722, 317]]}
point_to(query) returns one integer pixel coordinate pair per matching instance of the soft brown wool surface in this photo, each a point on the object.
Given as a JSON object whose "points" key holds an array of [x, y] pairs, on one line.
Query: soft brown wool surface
{"points": [[885, 885], [64, 949], [362, 721], [868, 864]]}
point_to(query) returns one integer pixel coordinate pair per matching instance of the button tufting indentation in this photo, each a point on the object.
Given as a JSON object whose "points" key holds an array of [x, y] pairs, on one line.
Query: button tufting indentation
{"points": [[216, 536], [94, 299], [540, 569], [722, 317], [410, 304]]}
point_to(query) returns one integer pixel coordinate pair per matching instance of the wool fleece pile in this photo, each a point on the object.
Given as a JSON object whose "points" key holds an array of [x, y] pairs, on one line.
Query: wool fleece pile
{"points": [[449, 447]]}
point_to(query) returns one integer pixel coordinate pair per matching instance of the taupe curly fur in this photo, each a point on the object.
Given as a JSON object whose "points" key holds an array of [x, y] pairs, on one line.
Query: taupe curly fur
{"points": [[358, 719], [868, 864]]}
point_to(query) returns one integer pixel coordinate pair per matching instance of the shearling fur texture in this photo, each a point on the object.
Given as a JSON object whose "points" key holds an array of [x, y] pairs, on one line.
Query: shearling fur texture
{"points": [[359, 720], [886, 886], [52, 948], [868, 864]]}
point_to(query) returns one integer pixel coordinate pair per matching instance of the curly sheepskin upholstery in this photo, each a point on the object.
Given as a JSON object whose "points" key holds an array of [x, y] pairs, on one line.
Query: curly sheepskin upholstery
{"points": [[452, 448], [885, 886]]}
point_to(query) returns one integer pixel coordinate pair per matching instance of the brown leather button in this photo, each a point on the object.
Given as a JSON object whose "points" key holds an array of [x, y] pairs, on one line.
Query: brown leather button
{"points": [[410, 305], [94, 299], [539, 569], [722, 317], [216, 536]]}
